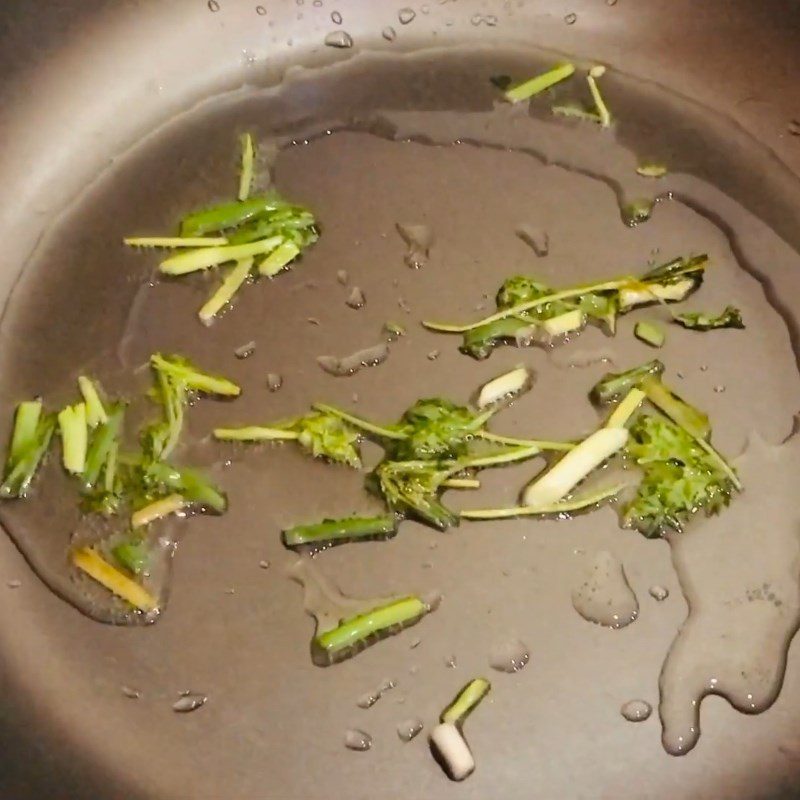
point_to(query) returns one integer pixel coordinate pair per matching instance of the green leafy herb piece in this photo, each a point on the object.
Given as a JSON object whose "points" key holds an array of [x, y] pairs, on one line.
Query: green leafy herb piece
{"points": [[649, 333], [731, 317], [527, 307], [680, 478], [412, 488], [539, 84], [339, 531], [323, 433], [30, 441], [436, 428]]}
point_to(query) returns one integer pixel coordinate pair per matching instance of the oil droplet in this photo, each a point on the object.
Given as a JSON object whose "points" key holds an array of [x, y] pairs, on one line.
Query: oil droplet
{"points": [[389, 33], [368, 699], [604, 596], [425, 9], [704, 368], [261, 11], [342, 276], [213, 5], [131, 694], [274, 381], [336, 17], [409, 728], [317, 4], [719, 389], [355, 739], [611, 2], [189, 702], [14, 584], [571, 18], [245, 351], [418, 239], [356, 299], [509, 655], [406, 15], [743, 597], [636, 710], [659, 593], [450, 662], [341, 39], [433, 355], [794, 127], [263, 564]]}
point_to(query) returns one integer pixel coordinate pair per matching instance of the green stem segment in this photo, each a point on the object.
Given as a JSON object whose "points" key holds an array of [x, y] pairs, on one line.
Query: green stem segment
{"points": [[466, 701], [356, 630], [364, 425], [29, 444], [74, 437], [539, 83], [254, 433], [227, 215], [339, 531], [224, 294], [562, 507]]}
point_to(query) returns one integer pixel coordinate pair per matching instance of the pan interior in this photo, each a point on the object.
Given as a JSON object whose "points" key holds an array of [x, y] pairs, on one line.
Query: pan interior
{"points": [[423, 140]]}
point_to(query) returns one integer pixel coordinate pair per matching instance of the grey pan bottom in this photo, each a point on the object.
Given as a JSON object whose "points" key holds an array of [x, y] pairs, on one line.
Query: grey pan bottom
{"points": [[67, 731]]}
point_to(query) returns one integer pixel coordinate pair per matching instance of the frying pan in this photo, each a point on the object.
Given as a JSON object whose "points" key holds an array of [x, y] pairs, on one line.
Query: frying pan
{"points": [[83, 83]]}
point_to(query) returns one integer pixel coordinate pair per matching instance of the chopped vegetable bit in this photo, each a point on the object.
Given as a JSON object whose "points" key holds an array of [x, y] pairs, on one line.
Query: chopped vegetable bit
{"points": [[95, 411], [626, 409], [505, 386], [231, 284], [157, 510], [173, 242], [466, 701], [121, 585], [447, 739], [412, 488], [246, 174], [567, 473], [731, 317], [74, 437], [436, 428], [102, 447], [600, 106], [526, 306], [580, 503], [538, 84], [651, 169], [323, 434], [133, 555], [230, 215], [162, 478], [649, 333], [357, 631], [30, 441], [680, 477], [647, 377], [613, 386], [207, 257], [339, 531], [180, 369]]}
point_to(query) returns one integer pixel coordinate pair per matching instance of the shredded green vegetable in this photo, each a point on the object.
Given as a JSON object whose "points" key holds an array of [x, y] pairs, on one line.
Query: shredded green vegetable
{"points": [[30, 441], [731, 317], [231, 284], [538, 84], [649, 333], [95, 411], [246, 175], [74, 437]]}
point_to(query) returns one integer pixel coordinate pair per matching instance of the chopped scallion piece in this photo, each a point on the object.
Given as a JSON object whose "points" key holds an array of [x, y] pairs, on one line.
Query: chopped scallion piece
{"points": [[173, 242], [26, 423], [651, 169], [278, 259], [74, 437], [207, 257], [157, 510], [649, 333], [466, 701], [181, 369], [228, 288], [538, 84], [29, 447], [246, 175], [338, 531], [95, 411], [731, 317]]}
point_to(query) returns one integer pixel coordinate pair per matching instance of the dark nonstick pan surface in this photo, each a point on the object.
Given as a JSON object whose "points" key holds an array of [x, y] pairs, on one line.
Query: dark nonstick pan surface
{"points": [[712, 87]]}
